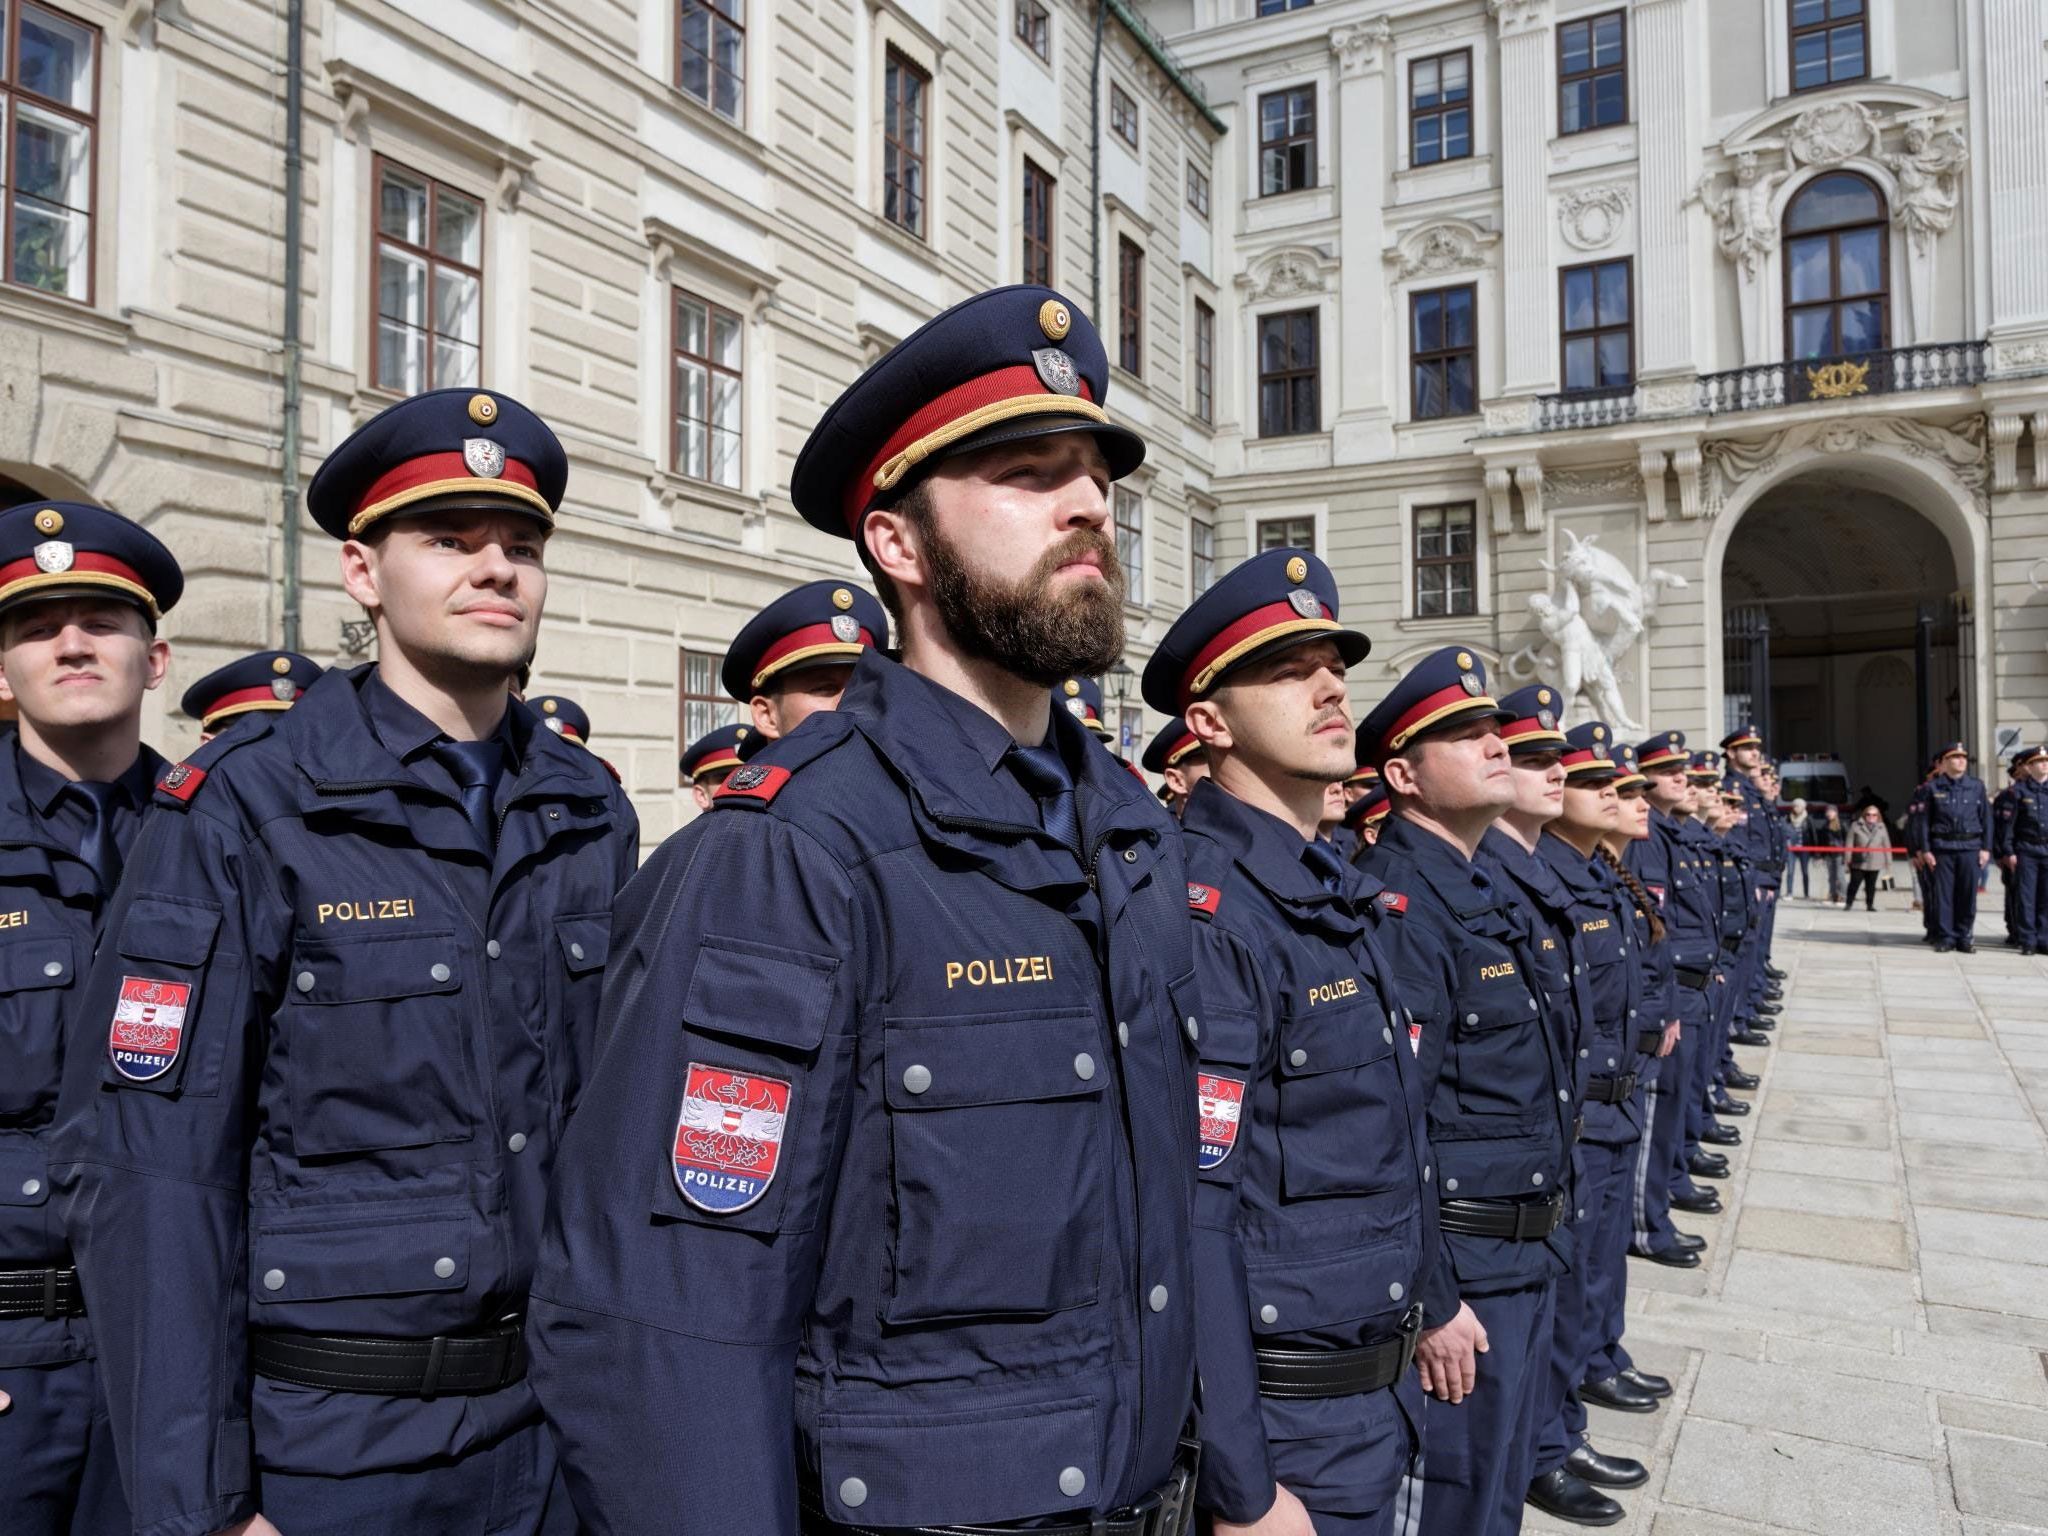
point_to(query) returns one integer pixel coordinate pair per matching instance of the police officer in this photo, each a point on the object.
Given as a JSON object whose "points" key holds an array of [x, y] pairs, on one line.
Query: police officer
{"points": [[2027, 849], [711, 759], [1954, 843], [1175, 754], [1761, 842], [344, 1006], [1499, 1091], [878, 1212], [794, 657], [81, 590], [1364, 818], [2003, 808], [264, 683], [1081, 697], [1313, 1221]]}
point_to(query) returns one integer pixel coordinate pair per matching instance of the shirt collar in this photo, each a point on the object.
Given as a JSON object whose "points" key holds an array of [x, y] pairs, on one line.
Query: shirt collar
{"points": [[44, 785], [406, 733]]}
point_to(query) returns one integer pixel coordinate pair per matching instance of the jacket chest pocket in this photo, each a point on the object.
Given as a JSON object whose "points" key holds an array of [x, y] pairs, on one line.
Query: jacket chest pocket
{"points": [[1496, 1038], [575, 985], [377, 1045], [999, 1159], [1224, 1095], [1343, 1115], [36, 974]]}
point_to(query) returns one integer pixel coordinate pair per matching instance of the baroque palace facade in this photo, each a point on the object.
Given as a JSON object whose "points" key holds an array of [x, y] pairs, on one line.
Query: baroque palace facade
{"points": [[1682, 349]]}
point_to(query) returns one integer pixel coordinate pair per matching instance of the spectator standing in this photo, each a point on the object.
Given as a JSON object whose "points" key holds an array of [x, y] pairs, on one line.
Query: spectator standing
{"points": [[1869, 857]]}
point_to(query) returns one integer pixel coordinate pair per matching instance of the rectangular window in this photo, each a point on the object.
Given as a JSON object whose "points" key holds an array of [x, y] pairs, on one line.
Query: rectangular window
{"points": [[1444, 350], [1282, 7], [428, 282], [1597, 326], [1130, 542], [1289, 392], [711, 54], [1130, 306], [1034, 28], [1592, 73], [1830, 42], [1198, 189], [1285, 533], [904, 89], [1287, 140], [1440, 108], [1038, 202], [1205, 362], [1201, 556], [704, 706], [706, 339], [1123, 115], [1446, 567], [49, 89]]}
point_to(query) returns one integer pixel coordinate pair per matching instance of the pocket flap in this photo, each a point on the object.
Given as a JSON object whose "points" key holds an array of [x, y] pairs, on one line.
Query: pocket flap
{"points": [[757, 992], [586, 942], [1005, 1058], [357, 1257], [28, 965], [1324, 1039], [24, 1173], [1309, 1293], [358, 970], [1228, 1036], [936, 1468], [175, 932]]}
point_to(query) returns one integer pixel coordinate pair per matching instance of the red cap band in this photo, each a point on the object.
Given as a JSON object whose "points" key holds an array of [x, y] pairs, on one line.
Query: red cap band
{"points": [[812, 639]]}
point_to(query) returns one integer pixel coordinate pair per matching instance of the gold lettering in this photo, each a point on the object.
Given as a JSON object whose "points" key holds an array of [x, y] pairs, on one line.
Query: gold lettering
{"points": [[382, 909], [999, 971], [1331, 991], [1496, 972], [14, 919], [1599, 927], [954, 970]]}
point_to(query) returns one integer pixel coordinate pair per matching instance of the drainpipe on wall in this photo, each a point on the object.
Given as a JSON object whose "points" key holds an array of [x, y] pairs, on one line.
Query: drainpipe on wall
{"points": [[1095, 169], [294, 219]]}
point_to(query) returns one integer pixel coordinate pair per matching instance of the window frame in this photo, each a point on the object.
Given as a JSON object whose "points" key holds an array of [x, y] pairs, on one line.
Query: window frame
{"points": [[10, 92], [719, 703], [1134, 568], [1825, 27], [678, 295], [1033, 174], [1200, 557], [1593, 71], [379, 163], [1123, 107], [1284, 520], [1039, 20], [894, 57], [1418, 562], [1834, 232], [1287, 142], [1130, 306], [1265, 8], [718, 17], [1198, 180], [1443, 355], [1440, 111], [1205, 363], [1596, 330], [1314, 372]]}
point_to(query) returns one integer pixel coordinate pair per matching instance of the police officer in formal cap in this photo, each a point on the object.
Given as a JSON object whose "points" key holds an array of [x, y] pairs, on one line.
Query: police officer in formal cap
{"points": [[712, 758], [877, 1215], [565, 717], [794, 657], [1364, 817], [345, 1002], [1313, 1221], [1175, 754], [1081, 697], [260, 684], [2026, 849], [1952, 840], [81, 590], [1499, 1091]]}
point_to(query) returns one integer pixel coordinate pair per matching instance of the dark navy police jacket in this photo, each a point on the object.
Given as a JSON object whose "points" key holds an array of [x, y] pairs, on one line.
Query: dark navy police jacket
{"points": [[883, 1189], [1952, 815], [323, 1064], [1603, 919]]}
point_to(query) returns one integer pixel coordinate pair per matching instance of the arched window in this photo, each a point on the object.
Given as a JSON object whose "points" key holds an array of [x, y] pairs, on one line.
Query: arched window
{"points": [[1837, 269]]}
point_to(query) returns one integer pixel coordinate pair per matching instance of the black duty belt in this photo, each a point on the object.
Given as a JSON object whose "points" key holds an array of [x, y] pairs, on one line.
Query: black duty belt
{"points": [[1525, 1221], [449, 1364], [1649, 1041], [1697, 980], [1611, 1090], [45, 1293], [1167, 1510], [1311, 1373]]}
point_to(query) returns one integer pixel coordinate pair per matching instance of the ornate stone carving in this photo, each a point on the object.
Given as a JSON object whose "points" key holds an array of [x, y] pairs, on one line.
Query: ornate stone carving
{"points": [[1500, 500], [2038, 425], [1741, 210], [1287, 272], [1961, 450], [1593, 484], [1529, 481], [1927, 170], [1650, 464], [1440, 248], [1597, 613], [2004, 432], [1518, 15], [1590, 218], [1363, 48], [1830, 133]]}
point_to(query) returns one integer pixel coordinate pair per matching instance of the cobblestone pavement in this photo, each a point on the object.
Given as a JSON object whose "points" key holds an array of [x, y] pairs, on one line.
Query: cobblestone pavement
{"points": [[1866, 1349]]}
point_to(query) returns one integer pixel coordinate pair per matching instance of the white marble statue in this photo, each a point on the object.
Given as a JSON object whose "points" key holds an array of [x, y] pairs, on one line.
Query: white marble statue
{"points": [[1927, 172], [1741, 211], [1599, 611]]}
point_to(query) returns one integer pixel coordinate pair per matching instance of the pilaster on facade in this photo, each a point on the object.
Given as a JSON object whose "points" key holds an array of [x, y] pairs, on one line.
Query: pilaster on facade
{"points": [[2016, 129], [1665, 81], [1525, 112], [1363, 429]]}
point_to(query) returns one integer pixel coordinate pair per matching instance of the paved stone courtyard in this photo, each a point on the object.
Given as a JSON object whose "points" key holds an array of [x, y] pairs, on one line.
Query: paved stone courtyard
{"points": [[1866, 1349]]}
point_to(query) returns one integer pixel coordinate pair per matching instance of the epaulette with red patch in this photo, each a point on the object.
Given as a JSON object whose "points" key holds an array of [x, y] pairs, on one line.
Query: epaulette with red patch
{"points": [[178, 784], [181, 782], [608, 768], [1392, 901], [1204, 899], [753, 783]]}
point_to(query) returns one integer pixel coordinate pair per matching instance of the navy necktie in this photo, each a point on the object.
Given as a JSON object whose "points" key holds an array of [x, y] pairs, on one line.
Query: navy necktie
{"points": [[1043, 772], [476, 767], [98, 848], [1325, 864]]}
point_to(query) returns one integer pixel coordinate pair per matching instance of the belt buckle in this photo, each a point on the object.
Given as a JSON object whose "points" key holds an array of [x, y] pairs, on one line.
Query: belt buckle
{"points": [[1177, 1498], [1411, 1337]]}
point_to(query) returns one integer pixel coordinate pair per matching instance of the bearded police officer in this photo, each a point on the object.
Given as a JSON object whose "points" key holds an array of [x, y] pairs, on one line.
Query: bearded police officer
{"points": [[1316, 1217], [344, 1006], [81, 590], [878, 1213]]}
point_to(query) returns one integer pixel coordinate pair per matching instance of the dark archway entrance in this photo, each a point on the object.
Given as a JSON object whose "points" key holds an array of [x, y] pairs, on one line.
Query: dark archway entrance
{"points": [[1845, 633]]}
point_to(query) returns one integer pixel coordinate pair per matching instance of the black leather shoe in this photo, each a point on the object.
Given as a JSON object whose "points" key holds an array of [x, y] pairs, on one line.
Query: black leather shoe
{"points": [[1705, 1203], [1773, 991], [1773, 972], [1589, 1466], [1943, 947], [1768, 1009], [1735, 1077], [1748, 1037], [1564, 1496], [1967, 946], [1727, 1106], [1646, 1381], [1691, 1242], [1613, 1392], [1721, 1135], [1761, 1025], [1671, 1258], [1707, 1165]]}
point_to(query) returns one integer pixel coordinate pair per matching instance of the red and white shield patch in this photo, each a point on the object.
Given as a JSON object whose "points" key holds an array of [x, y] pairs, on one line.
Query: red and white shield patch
{"points": [[1220, 1101], [149, 1027], [729, 1137]]}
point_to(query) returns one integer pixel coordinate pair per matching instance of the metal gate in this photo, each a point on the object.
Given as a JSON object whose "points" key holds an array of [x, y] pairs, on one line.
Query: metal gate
{"points": [[1746, 670], [1945, 657]]}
